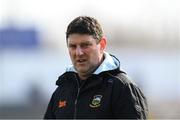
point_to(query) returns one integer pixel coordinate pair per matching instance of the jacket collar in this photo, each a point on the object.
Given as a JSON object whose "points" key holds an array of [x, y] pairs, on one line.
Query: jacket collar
{"points": [[110, 63]]}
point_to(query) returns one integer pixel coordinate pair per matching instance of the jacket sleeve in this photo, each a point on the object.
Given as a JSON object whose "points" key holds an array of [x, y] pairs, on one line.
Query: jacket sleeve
{"points": [[128, 102], [49, 111]]}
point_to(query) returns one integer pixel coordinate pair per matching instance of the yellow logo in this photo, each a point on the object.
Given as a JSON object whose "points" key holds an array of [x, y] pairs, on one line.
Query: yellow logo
{"points": [[96, 101]]}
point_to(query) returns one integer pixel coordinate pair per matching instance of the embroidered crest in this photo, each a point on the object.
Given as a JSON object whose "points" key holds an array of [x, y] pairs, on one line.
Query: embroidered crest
{"points": [[96, 102]]}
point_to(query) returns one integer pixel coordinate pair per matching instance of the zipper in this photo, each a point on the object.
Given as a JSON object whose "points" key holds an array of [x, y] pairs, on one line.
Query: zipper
{"points": [[77, 96], [75, 103], [75, 109]]}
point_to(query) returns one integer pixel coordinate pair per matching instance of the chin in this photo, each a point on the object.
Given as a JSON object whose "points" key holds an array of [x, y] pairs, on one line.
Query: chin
{"points": [[82, 70]]}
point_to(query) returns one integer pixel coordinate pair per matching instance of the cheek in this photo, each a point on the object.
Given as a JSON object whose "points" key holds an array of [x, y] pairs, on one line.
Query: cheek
{"points": [[95, 55], [71, 55]]}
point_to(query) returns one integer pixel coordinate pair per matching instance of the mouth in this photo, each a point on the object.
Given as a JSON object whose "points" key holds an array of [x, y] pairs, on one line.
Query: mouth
{"points": [[81, 61]]}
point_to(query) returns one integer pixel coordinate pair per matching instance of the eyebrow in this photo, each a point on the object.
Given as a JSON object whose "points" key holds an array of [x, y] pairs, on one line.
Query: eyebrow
{"points": [[84, 42]]}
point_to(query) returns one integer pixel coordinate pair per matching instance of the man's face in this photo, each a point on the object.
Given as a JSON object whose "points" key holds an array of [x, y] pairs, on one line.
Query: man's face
{"points": [[85, 53]]}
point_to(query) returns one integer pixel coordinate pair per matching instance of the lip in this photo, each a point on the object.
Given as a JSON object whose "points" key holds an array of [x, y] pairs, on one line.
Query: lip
{"points": [[81, 61]]}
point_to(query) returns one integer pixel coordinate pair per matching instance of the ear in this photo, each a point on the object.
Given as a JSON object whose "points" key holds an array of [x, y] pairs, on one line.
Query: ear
{"points": [[102, 43]]}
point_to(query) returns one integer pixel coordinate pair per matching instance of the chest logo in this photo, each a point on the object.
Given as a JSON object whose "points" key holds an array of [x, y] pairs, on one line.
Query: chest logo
{"points": [[62, 104], [96, 102]]}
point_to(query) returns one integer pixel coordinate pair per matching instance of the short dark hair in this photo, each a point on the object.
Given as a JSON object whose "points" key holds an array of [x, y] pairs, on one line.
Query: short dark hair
{"points": [[85, 25]]}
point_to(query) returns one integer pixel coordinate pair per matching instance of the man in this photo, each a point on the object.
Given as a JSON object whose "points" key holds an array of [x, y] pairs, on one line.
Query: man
{"points": [[94, 87]]}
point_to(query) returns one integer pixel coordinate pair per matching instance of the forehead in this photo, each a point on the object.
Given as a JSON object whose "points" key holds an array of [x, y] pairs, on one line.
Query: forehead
{"points": [[80, 38]]}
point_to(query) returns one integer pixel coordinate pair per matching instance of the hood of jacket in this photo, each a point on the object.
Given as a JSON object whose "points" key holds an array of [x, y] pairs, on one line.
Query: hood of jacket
{"points": [[110, 63]]}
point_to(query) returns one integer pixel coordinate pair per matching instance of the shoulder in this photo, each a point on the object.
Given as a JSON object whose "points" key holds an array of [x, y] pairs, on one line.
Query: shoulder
{"points": [[124, 79], [127, 87], [121, 78], [123, 84], [65, 77]]}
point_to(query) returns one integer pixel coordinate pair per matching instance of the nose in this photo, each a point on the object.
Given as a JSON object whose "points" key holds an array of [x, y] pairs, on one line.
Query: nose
{"points": [[79, 51]]}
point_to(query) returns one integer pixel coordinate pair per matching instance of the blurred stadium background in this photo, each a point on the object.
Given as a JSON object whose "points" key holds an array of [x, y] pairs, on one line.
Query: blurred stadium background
{"points": [[143, 34]]}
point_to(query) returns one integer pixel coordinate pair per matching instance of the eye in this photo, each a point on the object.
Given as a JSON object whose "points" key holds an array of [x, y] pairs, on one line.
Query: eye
{"points": [[85, 45], [72, 46]]}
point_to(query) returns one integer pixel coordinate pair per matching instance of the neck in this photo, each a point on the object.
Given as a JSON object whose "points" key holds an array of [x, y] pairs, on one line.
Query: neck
{"points": [[83, 77]]}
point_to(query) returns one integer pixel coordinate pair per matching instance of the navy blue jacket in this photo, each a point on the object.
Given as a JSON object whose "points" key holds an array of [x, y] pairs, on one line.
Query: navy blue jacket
{"points": [[110, 94]]}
